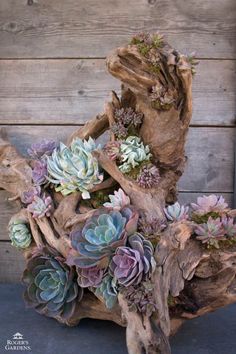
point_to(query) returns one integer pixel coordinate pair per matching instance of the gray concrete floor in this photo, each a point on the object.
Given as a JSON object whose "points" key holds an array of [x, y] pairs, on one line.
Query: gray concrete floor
{"points": [[212, 334]]}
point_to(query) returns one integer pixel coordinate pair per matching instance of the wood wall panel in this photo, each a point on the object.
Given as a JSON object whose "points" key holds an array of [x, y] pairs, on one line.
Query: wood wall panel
{"points": [[91, 28], [73, 91]]}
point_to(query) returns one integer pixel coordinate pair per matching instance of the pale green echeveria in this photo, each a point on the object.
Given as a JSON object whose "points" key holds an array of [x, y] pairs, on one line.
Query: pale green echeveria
{"points": [[74, 168], [133, 152], [20, 234], [107, 291]]}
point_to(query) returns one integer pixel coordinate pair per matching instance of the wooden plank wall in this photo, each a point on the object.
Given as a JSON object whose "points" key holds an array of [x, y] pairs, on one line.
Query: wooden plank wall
{"points": [[53, 78]]}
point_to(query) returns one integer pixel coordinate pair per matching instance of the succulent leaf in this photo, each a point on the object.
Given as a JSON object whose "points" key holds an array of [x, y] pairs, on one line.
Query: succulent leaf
{"points": [[133, 152], [176, 212], [39, 172], [210, 232], [98, 239], [208, 204], [118, 200], [42, 149], [20, 234], [90, 277], [52, 288], [74, 168], [132, 263], [149, 176], [41, 206], [107, 291]]}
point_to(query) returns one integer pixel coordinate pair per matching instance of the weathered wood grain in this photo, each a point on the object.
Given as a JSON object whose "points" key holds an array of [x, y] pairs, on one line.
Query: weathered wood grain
{"points": [[11, 263], [73, 91], [90, 28]]}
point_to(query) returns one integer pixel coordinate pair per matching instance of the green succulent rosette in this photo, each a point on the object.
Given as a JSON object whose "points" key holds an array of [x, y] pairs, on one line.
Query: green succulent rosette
{"points": [[52, 287], [74, 168], [20, 234]]}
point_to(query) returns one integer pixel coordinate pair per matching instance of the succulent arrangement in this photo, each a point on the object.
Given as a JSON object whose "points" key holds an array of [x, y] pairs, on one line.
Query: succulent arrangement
{"points": [[102, 224]]}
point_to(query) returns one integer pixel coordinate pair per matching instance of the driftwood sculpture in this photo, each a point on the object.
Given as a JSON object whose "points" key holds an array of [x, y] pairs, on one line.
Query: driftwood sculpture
{"points": [[139, 259]]}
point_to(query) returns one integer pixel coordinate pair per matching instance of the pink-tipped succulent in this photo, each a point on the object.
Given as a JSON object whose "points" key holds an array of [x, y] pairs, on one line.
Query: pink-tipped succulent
{"points": [[118, 200], [41, 206], [209, 204], [27, 197], [176, 212], [210, 232], [149, 176], [112, 149], [41, 149]]}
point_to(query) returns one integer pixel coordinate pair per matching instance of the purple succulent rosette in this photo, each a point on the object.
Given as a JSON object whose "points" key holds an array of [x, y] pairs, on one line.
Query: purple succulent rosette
{"points": [[41, 149], [27, 197], [209, 204], [99, 238], [40, 172], [149, 176], [132, 263], [90, 277], [38, 203]]}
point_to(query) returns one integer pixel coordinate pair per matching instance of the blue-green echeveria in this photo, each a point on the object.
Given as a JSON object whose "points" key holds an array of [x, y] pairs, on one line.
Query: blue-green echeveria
{"points": [[107, 291], [74, 168], [52, 288], [20, 234], [176, 212], [95, 242], [133, 152]]}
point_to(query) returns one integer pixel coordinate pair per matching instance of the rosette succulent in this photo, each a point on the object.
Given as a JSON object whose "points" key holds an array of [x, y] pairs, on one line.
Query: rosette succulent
{"points": [[133, 152], [90, 276], [176, 212], [39, 172], [74, 168], [52, 288], [107, 291], [41, 149], [209, 204], [132, 263], [118, 200], [112, 149], [210, 232], [149, 176], [20, 234], [41, 206], [140, 298], [97, 241], [27, 197]]}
